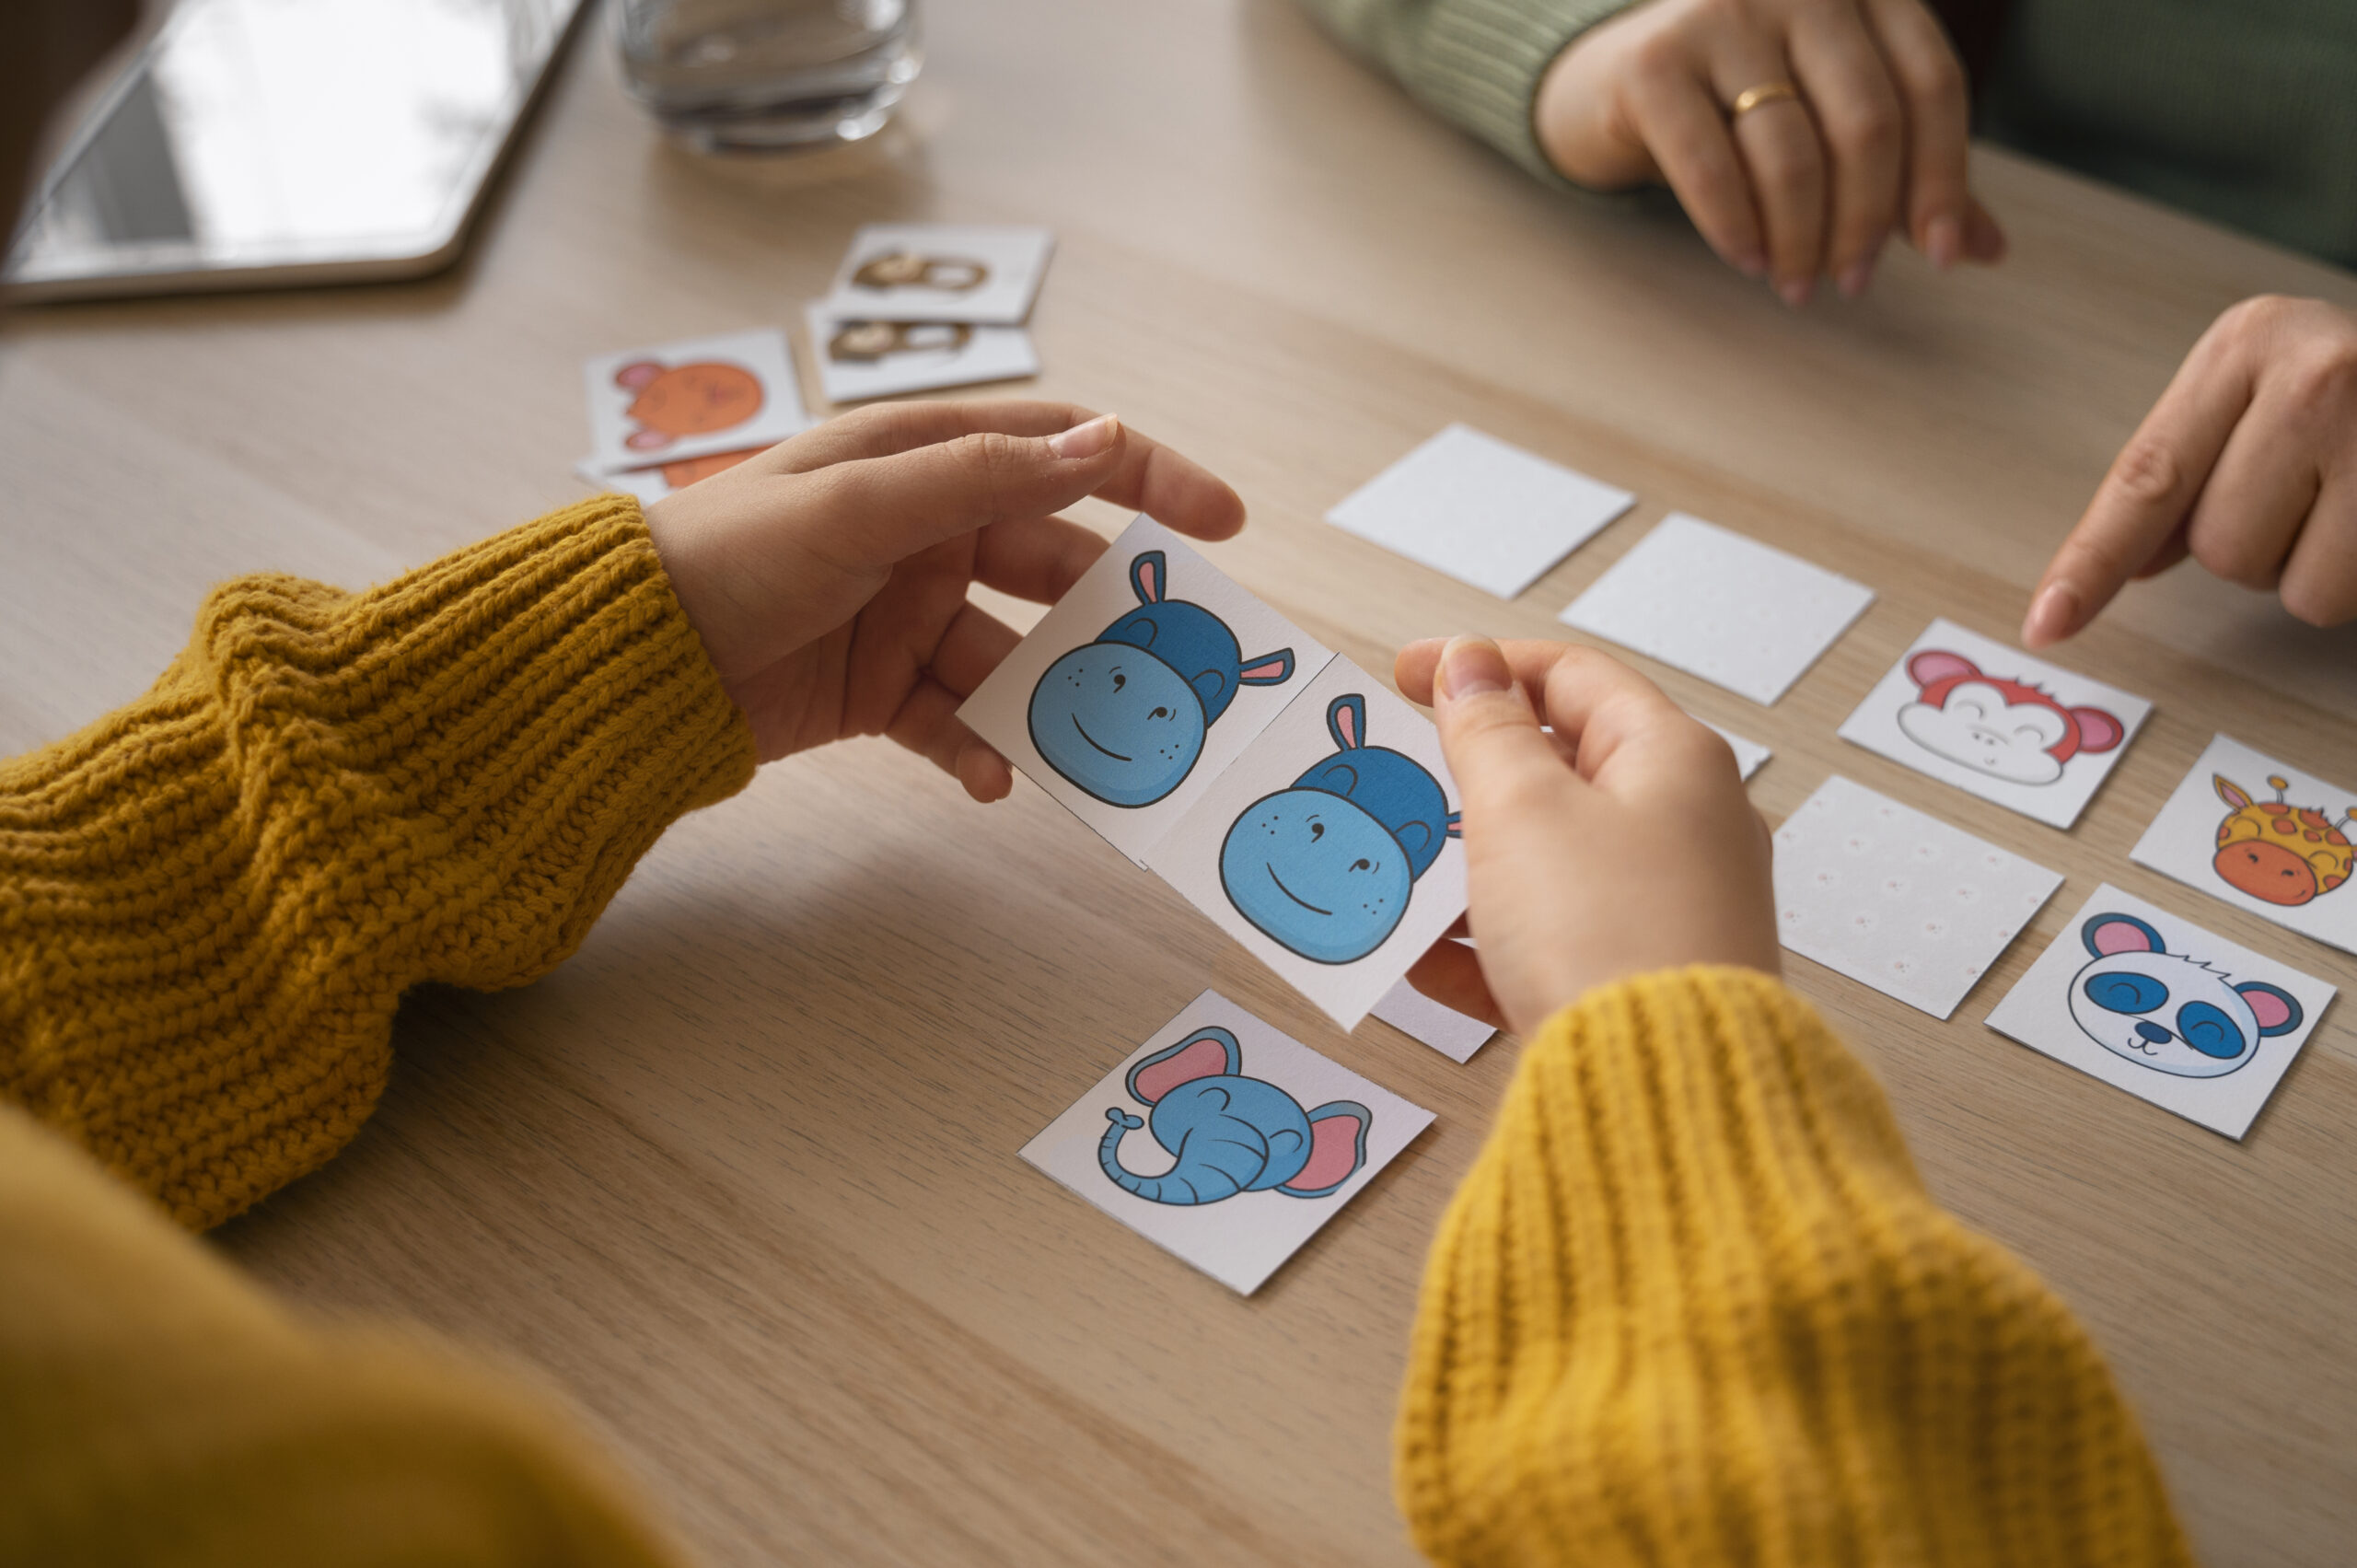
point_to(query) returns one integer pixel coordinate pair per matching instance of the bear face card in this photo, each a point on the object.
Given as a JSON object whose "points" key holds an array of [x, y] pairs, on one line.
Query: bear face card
{"points": [[1994, 722], [1897, 900], [1329, 848], [940, 271], [1147, 679], [859, 360], [1711, 602], [2263, 836], [2155, 1004], [1225, 1142], [692, 399]]}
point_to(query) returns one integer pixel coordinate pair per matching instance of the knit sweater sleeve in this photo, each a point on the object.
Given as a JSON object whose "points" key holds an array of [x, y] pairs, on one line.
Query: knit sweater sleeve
{"points": [[1476, 64], [212, 900], [1693, 1305]]}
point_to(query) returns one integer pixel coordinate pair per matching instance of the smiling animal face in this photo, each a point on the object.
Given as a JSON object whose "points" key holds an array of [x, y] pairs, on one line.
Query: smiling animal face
{"points": [[1316, 873], [2170, 1012], [1118, 721], [2003, 729], [686, 399]]}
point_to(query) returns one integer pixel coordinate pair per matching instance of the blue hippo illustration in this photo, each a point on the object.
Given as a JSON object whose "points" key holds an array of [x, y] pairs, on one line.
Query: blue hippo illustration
{"points": [[1229, 1134], [1124, 718], [1325, 868]]}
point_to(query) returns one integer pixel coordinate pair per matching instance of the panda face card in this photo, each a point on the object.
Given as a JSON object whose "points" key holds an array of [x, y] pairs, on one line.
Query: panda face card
{"points": [[1225, 1140], [2155, 1004], [693, 398], [2264, 837], [1998, 724], [1144, 681], [1329, 848]]}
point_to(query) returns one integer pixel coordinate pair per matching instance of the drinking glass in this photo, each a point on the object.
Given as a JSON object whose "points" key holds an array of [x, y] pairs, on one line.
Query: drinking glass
{"points": [[758, 75]]}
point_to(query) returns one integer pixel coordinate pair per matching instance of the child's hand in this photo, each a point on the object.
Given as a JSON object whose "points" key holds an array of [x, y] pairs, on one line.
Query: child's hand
{"points": [[1622, 844], [827, 576], [2248, 464]]}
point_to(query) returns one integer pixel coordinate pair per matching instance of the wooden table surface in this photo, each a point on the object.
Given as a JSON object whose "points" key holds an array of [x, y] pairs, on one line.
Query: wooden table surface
{"points": [[741, 1177]]}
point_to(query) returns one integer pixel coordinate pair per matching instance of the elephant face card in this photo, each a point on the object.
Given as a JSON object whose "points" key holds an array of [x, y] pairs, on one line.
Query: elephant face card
{"points": [[940, 271], [656, 406], [2155, 1004], [1329, 848], [2263, 836], [1225, 1142], [1994, 722], [1144, 681]]}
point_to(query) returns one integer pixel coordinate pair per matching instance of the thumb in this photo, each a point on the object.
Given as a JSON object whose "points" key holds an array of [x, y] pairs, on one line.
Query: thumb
{"points": [[879, 511], [1490, 733]]}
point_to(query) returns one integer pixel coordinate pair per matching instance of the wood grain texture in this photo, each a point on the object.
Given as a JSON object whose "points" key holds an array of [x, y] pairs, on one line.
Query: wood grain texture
{"points": [[741, 1177]]}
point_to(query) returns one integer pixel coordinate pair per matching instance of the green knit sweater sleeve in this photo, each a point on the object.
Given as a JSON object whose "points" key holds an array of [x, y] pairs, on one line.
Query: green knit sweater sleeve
{"points": [[1476, 64]]}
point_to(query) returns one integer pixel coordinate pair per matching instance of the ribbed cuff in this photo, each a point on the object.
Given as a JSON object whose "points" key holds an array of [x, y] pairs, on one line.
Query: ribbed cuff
{"points": [[1692, 1305], [1483, 60], [211, 901]]}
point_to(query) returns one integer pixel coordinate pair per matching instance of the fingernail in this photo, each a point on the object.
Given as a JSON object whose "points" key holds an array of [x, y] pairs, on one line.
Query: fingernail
{"points": [[1472, 667], [1753, 264], [1794, 292], [1854, 278], [1944, 242], [1086, 440], [2052, 616]]}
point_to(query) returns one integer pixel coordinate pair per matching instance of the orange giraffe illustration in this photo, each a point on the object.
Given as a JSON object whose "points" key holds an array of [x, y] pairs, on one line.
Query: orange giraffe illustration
{"points": [[686, 399], [2285, 854]]}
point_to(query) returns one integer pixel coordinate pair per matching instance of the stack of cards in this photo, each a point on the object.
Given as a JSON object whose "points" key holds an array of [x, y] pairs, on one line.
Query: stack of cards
{"points": [[922, 306], [1292, 797], [661, 418]]}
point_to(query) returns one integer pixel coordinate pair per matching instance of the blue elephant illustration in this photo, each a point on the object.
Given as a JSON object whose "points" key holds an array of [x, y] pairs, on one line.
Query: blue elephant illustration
{"points": [[1229, 1134], [1325, 867], [1124, 718]]}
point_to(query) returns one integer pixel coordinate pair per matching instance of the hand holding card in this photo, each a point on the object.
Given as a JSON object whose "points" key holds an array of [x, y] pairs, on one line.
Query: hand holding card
{"points": [[827, 576], [1643, 854]]}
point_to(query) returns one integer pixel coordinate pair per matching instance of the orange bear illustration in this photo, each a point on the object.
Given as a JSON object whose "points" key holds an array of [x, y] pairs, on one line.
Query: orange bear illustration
{"points": [[686, 399]]}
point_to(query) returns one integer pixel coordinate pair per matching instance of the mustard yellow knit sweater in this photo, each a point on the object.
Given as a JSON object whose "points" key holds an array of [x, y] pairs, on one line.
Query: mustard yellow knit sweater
{"points": [[1692, 1306]]}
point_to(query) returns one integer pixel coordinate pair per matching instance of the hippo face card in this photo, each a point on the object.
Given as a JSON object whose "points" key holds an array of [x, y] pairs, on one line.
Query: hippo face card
{"points": [[2155, 1004], [1143, 683], [1329, 848], [941, 272], [658, 406], [1225, 1142], [1995, 722], [2263, 836]]}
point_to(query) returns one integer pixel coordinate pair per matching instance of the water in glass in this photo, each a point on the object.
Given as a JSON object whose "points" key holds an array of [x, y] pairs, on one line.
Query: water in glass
{"points": [[750, 75]]}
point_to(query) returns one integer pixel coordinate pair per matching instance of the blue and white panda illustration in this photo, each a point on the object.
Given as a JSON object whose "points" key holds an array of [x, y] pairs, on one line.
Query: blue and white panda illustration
{"points": [[1124, 718], [2168, 1012], [1325, 868]]}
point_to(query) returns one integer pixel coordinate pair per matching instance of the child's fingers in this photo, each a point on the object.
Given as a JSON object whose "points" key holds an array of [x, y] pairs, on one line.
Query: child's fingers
{"points": [[1450, 973], [1506, 768], [971, 647], [1034, 558], [928, 724], [1530, 658], [1609, 713]]}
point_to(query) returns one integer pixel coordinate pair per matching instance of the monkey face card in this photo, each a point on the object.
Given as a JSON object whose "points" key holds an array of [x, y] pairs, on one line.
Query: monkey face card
{"points": [[654, 407], [1991, 720]]}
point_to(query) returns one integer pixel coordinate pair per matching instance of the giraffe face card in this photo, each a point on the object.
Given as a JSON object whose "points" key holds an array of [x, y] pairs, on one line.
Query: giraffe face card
{"points": [[1144, 681], [1996, 723], [1225, 1142], [2155, 1004], [2264, 837], [1897, 900], [1329, 848]]}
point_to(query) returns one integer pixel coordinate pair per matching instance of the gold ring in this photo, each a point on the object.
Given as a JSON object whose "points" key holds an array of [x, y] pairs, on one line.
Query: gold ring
{"points": [[1766, 92]]}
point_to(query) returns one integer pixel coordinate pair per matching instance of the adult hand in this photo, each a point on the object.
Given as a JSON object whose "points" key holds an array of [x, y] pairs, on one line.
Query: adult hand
{"points": [[827, 576], [1799, 186], [2248, 464], [1619, 844]]}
